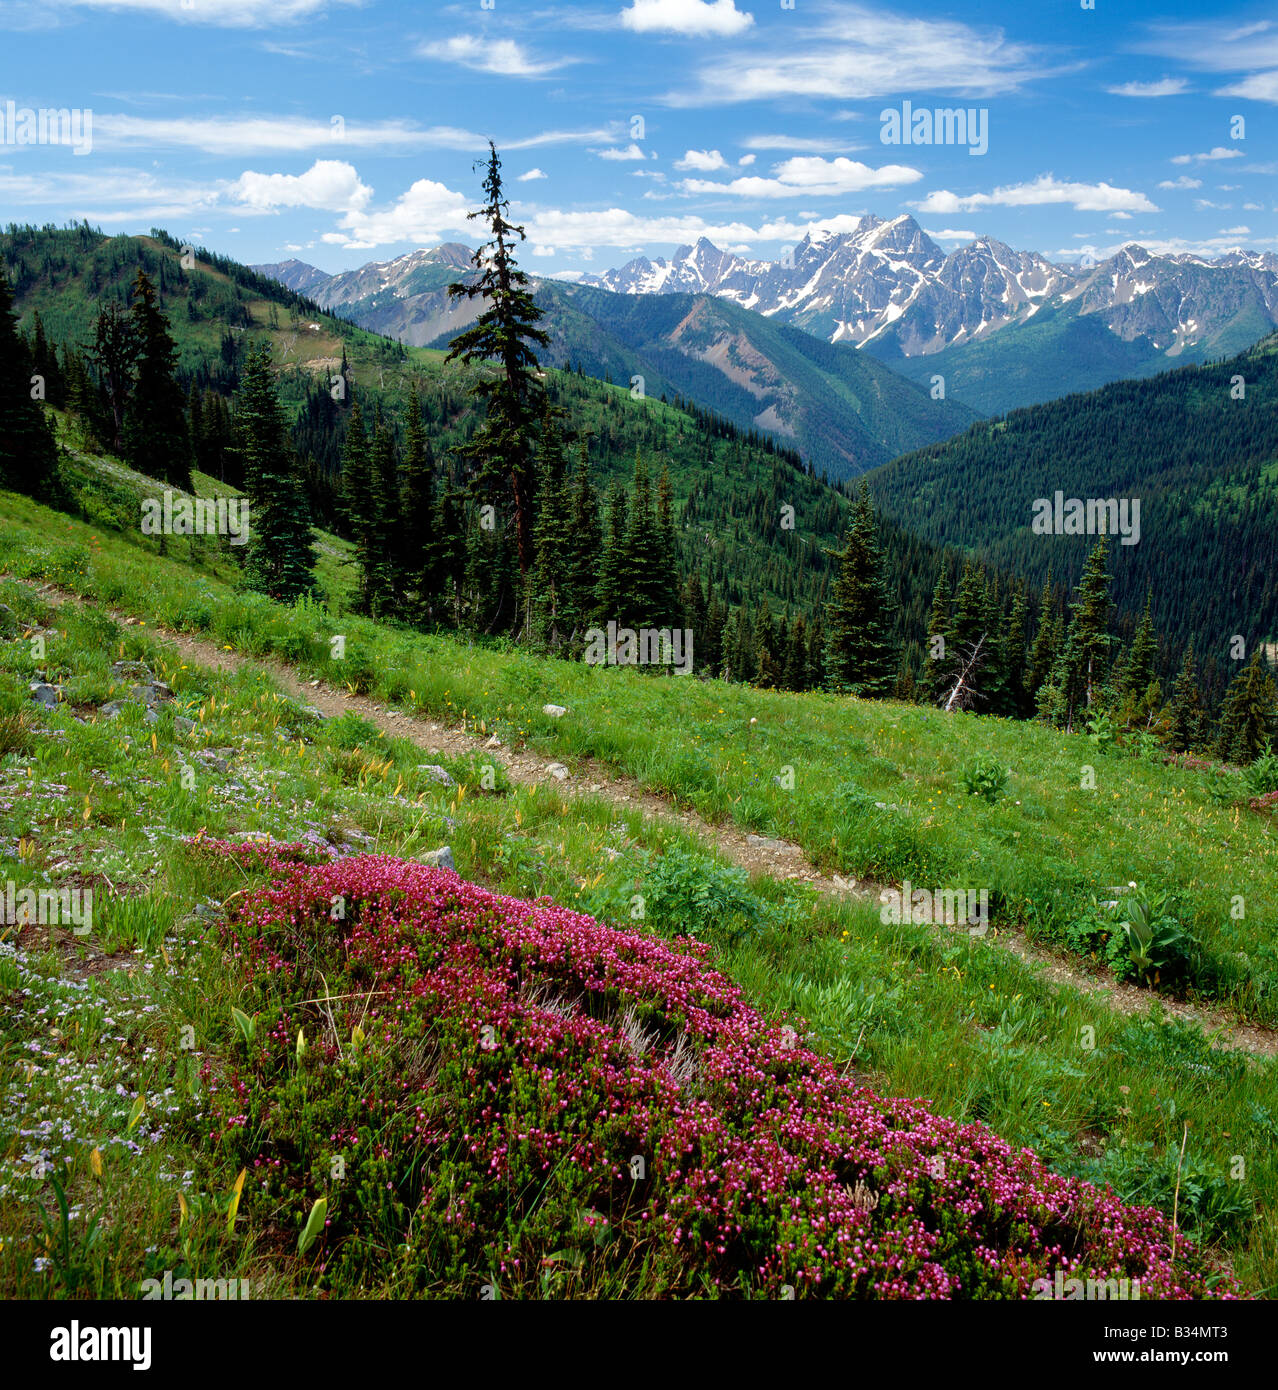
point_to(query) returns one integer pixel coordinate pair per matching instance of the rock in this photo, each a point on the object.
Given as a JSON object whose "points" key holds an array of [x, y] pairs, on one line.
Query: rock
{"points": [[437, 773], [763, 842], [555, 711], [130, 671], [206, 912], [441, 858], [111, 708], [183, 725], [211, 760], [493, 742], [557, 770], [45, 694], [314, 685], [313, 712], [151, 693], [150, 715]]}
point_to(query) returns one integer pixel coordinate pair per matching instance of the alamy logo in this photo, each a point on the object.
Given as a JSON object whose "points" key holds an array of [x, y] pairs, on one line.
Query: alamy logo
{"points": [[76, 1343], [51, 907], [1101, 1290], [968, 126], [47, 125], [196, 516], [1092, 516], [650, 646], [961, 907], [195, 1290]]}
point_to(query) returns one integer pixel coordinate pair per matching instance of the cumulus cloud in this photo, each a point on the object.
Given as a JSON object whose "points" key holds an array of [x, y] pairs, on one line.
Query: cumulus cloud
{"points": [[810, 176], [530, 176], [703, 160], [701, 18], [1184, 181], [1084, 197], [329, 184], [622, 152]]}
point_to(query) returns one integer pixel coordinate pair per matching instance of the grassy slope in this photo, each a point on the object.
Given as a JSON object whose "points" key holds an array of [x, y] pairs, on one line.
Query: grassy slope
{"points": [[968, 1026]]}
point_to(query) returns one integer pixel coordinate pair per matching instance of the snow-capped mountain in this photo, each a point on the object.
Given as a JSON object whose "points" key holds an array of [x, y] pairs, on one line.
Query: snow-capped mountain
{"points": [[887, 284]]}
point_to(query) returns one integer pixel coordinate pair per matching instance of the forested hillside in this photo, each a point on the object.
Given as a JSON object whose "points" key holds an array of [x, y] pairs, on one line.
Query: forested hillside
{"points": [[1198, 447]]}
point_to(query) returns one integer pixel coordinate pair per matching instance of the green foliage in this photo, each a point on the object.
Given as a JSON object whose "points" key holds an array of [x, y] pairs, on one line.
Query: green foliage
{"points": [[690, 895], [985, 776]]}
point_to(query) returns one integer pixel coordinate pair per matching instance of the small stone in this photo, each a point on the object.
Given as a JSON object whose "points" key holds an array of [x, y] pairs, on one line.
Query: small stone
{"points": [[437, 773], [183, 725], [493, 742], [441, 858], [111, 708], [45, 694], [555, 711], [130, 671], [557, 770]]}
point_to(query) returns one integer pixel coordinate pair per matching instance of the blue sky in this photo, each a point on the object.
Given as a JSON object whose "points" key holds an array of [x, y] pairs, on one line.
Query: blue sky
{"points": [[341, 132]]}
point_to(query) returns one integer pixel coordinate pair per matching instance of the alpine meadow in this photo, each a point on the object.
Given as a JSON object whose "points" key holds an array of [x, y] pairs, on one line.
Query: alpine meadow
{"points": [[639, 662]]}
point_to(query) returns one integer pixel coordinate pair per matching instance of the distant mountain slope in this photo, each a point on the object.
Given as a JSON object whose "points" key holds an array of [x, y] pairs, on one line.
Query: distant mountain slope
{"points": [[843, 411], [1203, 464]]}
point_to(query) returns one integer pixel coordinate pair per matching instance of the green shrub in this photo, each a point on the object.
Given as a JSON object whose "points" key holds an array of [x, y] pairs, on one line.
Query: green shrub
{"points": [[985, 776]]}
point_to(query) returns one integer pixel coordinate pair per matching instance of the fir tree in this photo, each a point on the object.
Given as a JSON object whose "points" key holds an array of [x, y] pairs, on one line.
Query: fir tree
{"points": [[28, 454], [1188, 710], [156, 438], [1047, 643], [1017, 671], [583, 551], [506, 332], [860, 656], [940, 670], [1249, 714], [279, 558], [359, 502], [1082, 666]]}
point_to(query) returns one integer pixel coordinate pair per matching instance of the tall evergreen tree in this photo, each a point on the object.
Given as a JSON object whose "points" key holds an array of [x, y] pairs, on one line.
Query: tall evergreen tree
{"points": [[1249, 714], [1190, 719], [860, 654], [583, 551], [113, 354], [359, 501], [939, 671], [1047, 643], [1083, 664], [156, 440], [279, 558], [28, 454], [502, 449], [1017, 671]]}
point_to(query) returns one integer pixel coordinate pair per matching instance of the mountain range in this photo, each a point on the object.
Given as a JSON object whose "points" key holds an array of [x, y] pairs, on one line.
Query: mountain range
{"points": [[1003, 328]]}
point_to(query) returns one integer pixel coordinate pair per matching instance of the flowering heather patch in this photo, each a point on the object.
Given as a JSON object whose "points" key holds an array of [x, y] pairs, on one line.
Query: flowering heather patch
{"points": [[496, 1091]]}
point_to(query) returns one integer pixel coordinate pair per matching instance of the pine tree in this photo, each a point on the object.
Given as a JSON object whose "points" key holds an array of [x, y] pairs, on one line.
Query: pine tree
{"points": [[1249, 714], [114, 354], [1017, 672], [1138, 689], [1188, 710], [583, 551], [28, 454], [860, 656], [796, 657], [279, 558], [1047, 643], [156, 438], [506, 332], [610, 590], [359, 502], [386, 577], [666, 578]]}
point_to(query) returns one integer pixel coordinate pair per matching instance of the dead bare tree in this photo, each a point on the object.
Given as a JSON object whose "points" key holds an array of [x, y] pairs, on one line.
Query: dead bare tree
{"points": [[963, 691]]}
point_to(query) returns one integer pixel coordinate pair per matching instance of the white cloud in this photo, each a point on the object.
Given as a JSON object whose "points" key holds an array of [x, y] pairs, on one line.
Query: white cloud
{"points": [[810, 176], [1121, 216], [1084, 197], [803, 144], [1217, 152], [501, 56], [530, 176], [423, 214], [110, 194], [1260, 86], [619, 228], [746, 160], [1166, 87], [1184, 181], [544, 251], [231, 14], [950, 234], [622, 152], [1235, 231], [720, 18], [329, 184], [703, 160], [852, 52]]}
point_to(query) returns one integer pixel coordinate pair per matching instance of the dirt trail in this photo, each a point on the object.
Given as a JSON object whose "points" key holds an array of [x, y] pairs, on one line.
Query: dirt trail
{"points": [[757, 854]]}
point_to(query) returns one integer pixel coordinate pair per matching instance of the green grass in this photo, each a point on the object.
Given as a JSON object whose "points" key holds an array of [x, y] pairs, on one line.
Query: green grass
{"points": [[1045, 848]]}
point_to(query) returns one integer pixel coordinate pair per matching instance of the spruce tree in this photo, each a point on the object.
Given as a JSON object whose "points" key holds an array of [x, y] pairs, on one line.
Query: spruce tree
{"points": [[1083, 664], [939, 672], [28, 454], [1017, 671], [860, 655], [279, 559], [666, 582], [359, 502], [1047, 643], [386, 578], [156, 437], [583, 551], [114, 353], [1249, 714], [1188, 710], [502, 449]]}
